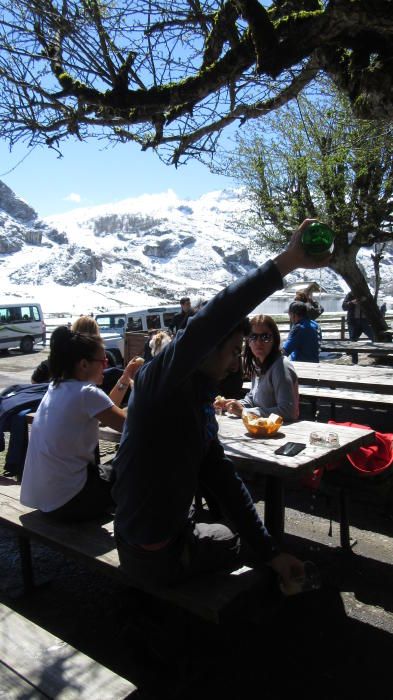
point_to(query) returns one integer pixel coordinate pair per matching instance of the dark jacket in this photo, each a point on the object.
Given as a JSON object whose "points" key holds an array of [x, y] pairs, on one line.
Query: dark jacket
{"points": [[16, 398], [354, 311], [15, 402], [172, 404], [179, 320]]}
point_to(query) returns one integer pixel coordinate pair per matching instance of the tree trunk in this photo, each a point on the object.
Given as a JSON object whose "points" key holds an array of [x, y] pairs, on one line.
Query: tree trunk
{"points": [[345, 265], [376, 258]]}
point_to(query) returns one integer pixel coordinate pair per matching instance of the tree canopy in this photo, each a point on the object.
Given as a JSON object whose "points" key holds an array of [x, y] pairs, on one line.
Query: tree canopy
{"points": [[172, 74], [315, 159]]}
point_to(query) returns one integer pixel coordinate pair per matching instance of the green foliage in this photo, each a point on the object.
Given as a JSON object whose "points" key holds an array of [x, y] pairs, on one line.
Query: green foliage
{"points": [[315, 159]]}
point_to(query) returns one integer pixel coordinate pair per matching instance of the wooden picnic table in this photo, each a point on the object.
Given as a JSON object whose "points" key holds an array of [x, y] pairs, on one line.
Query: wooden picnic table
{"points": [[355, 347], [376, 379], [257, 456], [355, 377]]}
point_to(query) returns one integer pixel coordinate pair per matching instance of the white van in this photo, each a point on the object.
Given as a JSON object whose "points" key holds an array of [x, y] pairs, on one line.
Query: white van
{"points": [[21, 325], [114, 324]]}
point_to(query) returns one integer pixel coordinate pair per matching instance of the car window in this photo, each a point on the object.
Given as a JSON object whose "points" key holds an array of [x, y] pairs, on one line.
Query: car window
{"points": [[134, 323]]}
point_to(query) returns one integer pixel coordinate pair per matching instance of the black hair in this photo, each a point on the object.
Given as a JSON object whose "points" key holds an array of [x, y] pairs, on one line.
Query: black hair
{"points": [[299, 308], [243, 327], [183, 300], [67, 349]]}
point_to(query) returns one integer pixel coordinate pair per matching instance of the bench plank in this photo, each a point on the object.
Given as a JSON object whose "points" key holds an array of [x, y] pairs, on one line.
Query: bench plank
{"points": [[53, 667], [14, 687], [355, 398], [93, 544]]}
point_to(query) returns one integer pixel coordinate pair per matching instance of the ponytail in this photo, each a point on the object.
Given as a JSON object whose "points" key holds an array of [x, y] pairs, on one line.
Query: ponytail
{"points": [[67, 349]]}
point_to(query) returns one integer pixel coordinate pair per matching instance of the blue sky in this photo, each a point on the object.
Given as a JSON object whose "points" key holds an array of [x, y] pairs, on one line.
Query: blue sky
{"points": [[90, 174]]}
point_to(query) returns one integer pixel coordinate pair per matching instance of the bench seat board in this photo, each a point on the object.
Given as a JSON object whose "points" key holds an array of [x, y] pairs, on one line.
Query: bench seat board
{"points": [[15, 687], [354, 398], [52, 666], [93, 544]]}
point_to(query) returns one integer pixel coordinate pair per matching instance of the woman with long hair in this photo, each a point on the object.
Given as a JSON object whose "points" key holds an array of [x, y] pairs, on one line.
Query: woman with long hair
{"points": [[61, 477], [274, 387], [117, 382], [83, 324]]}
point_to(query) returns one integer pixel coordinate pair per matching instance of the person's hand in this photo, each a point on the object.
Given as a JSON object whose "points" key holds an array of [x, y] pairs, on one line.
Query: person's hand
{"points": [[131, 369], [219, 403], [234, 407], [294, 256], [287, 567]]}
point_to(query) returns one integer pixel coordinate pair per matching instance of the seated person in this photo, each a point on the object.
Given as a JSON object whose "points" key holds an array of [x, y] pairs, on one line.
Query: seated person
{"points": [[114, 377], [83, 324], [61, 477], [304, 338], [274, 381], [232, 385], [314, 308], [172, 403], [158, 342]]}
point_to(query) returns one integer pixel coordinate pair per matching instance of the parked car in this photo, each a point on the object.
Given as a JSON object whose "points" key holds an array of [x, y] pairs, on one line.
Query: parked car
{"points": [[21, 325], [114, 324]]}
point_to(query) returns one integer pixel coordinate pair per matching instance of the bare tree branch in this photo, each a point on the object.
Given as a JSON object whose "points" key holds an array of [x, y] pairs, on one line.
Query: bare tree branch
{"points": [[175, 73]]}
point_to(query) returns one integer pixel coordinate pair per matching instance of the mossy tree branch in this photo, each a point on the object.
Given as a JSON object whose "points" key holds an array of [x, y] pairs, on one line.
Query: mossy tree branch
{"points": [[174, 73]]}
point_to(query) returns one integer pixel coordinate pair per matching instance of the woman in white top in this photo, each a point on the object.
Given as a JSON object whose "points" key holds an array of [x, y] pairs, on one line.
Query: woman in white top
{"points": [[61, 477], [274, 387]]}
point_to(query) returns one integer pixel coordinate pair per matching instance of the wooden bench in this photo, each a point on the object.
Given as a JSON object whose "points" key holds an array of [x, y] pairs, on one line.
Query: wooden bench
{"points": [[209, 596], [362, 399], [36, 664]]}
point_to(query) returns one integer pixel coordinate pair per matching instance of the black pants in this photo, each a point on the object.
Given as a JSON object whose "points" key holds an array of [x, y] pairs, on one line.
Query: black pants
{"points": [[93, 500], [200, 548], [357, 326]]}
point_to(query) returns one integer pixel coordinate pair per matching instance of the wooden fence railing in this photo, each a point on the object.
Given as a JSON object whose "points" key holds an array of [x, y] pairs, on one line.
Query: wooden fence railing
{"points": [[331, 326]]}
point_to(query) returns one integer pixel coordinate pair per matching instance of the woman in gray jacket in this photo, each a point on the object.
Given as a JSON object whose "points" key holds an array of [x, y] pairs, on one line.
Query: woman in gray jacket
{"points": [[274, 386]]}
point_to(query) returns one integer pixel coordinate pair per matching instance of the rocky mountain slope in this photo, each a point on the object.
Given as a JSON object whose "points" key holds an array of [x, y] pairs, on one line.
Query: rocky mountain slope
{"points": [[145, 250]]}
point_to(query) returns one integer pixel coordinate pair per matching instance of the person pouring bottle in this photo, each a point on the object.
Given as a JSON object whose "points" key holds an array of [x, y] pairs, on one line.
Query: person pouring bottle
{"points": [[158, 540]]}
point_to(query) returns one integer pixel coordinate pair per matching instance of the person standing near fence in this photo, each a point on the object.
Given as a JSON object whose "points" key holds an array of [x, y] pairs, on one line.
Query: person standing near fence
{"points": [[179, 320], [356, 318]]}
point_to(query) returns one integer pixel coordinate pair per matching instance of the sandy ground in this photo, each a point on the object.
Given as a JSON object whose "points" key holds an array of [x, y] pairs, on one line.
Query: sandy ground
{"points": [[308, 648]]}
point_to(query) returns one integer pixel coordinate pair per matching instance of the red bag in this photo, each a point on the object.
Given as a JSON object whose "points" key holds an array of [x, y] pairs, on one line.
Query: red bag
{"points": [[369, 461], [372, 459]]}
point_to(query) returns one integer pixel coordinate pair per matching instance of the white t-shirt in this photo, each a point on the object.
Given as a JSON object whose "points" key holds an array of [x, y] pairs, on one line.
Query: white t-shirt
{"points": [[62, 442]]}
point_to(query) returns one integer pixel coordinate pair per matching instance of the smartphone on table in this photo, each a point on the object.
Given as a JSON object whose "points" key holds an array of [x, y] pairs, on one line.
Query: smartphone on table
{"points": [[290, 449]]}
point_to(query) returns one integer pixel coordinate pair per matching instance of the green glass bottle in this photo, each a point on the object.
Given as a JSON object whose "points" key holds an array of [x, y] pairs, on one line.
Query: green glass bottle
{"points": [[318, 239]]}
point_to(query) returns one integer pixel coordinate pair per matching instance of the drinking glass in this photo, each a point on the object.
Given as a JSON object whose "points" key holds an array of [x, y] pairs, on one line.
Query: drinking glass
{"points": [[321, 439]]}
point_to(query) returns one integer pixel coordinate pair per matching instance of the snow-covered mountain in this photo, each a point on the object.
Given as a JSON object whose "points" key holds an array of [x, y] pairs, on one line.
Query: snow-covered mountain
{"points": [[147, 250]]}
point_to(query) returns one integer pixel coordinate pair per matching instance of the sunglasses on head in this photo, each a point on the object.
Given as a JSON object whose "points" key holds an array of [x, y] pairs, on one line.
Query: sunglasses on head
{"points": [[265, 337]]}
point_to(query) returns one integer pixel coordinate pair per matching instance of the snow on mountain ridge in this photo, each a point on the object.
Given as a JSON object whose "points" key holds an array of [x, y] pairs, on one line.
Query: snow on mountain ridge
{"points": [[136, 252]]}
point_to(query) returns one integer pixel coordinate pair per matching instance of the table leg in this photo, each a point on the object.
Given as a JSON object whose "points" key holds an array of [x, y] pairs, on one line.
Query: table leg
{"points": [[274, 506], [26, 563]]}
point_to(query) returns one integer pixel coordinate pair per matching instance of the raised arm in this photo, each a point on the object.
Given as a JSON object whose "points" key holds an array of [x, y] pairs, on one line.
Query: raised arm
{"points": [[223, 313]]}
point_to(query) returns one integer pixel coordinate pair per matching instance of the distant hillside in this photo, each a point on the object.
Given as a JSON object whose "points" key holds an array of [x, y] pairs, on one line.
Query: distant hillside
{"points": [[149, 249]]}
